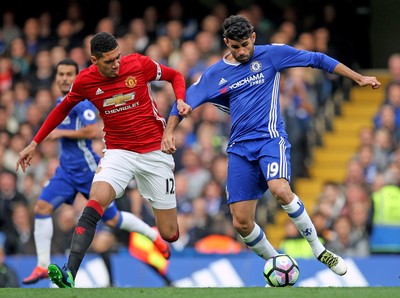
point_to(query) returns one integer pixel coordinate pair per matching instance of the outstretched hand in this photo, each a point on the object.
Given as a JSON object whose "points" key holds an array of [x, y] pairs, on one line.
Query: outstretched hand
{"points": [[25, 156], [371, 81]]}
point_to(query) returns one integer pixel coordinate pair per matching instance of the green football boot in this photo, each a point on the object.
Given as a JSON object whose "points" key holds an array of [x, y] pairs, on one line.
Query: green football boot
{"points": [[61, 277]]}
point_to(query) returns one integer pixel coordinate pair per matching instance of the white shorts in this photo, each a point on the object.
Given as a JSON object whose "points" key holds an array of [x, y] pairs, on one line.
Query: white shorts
{"points": [[153, 172]]}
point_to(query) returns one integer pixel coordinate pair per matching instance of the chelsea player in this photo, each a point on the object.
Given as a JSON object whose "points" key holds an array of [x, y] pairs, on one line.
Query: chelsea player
{"points": [[78, 163], [246, 83]]}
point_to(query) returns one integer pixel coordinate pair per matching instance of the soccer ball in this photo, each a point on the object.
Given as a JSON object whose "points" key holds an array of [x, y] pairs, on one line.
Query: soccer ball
{"points": [[281, 271]]}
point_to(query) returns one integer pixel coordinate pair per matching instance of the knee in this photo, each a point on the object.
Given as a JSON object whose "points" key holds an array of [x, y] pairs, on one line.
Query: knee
{"points": [[112, 222], [281, 191], [243, 225], [43, 208], [170, 236]]}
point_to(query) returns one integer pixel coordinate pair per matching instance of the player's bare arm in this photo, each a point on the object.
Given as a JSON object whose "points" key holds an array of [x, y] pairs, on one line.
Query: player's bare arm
{"points": [[168, 140], [25, 156], [361, 80]]}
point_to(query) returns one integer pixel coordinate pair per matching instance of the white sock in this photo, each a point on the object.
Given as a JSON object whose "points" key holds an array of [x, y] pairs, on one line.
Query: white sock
{"points": [[302, 220], [132, 223], [43, 232], [257, 242]]}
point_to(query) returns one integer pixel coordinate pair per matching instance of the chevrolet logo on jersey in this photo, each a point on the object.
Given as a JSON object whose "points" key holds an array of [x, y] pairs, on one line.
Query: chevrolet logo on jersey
{"points": [[118, 100]]}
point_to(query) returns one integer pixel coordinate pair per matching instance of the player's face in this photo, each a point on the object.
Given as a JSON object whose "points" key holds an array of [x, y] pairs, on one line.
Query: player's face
{"points": [[65, 76], [109, 63], [243, 50]]}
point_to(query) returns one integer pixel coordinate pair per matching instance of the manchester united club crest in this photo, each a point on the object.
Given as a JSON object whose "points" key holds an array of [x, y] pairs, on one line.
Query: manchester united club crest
{"points": [[130, 82]]}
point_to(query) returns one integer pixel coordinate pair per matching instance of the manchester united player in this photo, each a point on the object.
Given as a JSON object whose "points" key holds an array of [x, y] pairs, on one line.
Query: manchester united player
{"points": [[119, 87], [78, 163]]}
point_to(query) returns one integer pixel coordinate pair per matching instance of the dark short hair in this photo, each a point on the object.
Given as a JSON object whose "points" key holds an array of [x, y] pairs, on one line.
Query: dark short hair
{"points": [[237, 27], [68, 61], [102, 42]]}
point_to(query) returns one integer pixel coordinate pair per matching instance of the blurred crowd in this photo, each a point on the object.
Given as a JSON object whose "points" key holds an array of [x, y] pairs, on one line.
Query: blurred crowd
{"points": [[30, 52]]}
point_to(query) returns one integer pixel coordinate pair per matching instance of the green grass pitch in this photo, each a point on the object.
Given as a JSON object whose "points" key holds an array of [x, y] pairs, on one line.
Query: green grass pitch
{"points": [[250, 292]]}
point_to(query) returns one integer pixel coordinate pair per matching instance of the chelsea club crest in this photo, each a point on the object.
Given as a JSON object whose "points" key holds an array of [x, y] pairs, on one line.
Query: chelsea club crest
{"points": [[255, 66]]}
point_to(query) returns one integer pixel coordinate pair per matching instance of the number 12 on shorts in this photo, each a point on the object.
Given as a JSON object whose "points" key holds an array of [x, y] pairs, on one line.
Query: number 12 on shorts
{"points": [[170, 186]]}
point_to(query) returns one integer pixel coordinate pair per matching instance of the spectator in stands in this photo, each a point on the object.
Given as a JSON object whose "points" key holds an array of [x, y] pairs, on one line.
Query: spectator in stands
{"points": [[190, 52], [64, 225], [31, 37], [360, 214], [210, 30], [34, 116], [21, 60], [354, 173], [11, 154], [6, 74], [114, 12], [10, 197], [26, 131], [150, 18], [201, 221], [78, 54], [9, 29], [20, 234], [181, 192], [394, 66], [137, 28], [208, 144], [383, 147], [29, 188], [57, 53], [7, 122], [197, 175], [8, 275], [386, 118], [355, 193], [365, 155], [105, 24], [385, 235], [22, 100], [366, 136], [44, 100], [215, 199], [331, 201], [344, 242], [46, 32], [42, 74], [392, 98]]}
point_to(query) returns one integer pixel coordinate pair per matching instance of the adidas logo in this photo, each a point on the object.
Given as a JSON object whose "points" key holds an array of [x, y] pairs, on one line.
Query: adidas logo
{"points": [[222, 81], [99, 91], [220, 273]]}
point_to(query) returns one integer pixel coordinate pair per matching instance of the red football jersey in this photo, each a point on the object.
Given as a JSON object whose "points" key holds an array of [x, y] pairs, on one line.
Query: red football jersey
{"points": [[125, 103]]}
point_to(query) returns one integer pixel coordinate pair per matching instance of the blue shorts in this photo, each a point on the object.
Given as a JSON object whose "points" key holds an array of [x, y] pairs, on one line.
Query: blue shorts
{"points": [[251, 164], [63, 189]]}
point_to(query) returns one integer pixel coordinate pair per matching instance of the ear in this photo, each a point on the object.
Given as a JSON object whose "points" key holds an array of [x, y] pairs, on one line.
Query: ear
{"points": [[253, 37], [226, 41], [93, 59]]}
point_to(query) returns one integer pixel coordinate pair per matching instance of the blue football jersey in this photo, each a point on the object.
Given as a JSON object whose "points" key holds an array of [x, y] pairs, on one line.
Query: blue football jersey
{"points": [[250, 91], [77, 156]]}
